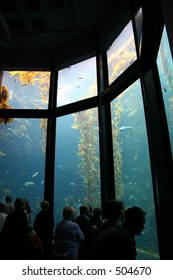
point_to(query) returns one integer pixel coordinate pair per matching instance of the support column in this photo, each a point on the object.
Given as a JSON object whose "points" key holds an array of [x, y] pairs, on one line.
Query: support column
{"points": [[161, 159], [105, 135], [50, 143]]}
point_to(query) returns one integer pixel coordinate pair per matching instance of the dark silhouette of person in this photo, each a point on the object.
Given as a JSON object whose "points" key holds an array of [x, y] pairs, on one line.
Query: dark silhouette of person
{"points": [[114, 214], [43, 226], [28, 210], [3, 216], [118, 243], [32, 247], [86, 227], [14, 232], [68, 236], [8, 206], [96, 221]]}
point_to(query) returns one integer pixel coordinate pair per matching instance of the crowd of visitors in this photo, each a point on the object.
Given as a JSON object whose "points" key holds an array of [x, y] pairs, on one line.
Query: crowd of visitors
{"points": [[82, 237]]}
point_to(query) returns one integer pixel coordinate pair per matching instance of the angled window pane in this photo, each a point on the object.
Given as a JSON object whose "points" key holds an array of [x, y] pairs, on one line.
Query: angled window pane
{"points": [[133, 178], [22, 161], [24, 90], [165, 67], [77, 82], [121, 53], [77, 168]]}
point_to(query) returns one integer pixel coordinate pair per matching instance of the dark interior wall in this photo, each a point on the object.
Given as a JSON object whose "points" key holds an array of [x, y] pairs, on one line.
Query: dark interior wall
{"points": [[64, 55], [104, 35], [167, 8]]}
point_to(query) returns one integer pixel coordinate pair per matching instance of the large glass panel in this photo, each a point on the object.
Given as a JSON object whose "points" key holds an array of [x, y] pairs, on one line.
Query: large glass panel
{"points": [[77, 82], [77, 165], [165, 66], [121, 53], [132, 164], [24, 90], [22, 161]]}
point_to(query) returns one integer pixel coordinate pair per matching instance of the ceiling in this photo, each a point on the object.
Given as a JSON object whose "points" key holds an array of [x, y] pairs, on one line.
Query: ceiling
{"points": [[66, 28]]}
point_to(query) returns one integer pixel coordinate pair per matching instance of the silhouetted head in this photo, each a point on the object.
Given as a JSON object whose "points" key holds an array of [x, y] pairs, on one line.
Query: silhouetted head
{"points": [[97, 212], [135, 220], [69, 213], [85, 210], [44, 205], [114, 209], [8, 199], [19, 204]]}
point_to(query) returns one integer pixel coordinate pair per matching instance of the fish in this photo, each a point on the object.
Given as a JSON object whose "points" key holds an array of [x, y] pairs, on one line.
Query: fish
{"points": [[134, 168], [21, 189], [2, 154], [42, 182], [28, 184], [126, 127], [132, 197], [59, 166], [165, 89], [72, 184], [35, 174], [15, 80], [131, 61]]}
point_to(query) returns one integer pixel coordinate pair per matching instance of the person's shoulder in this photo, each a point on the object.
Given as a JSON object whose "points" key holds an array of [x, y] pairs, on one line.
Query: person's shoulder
{"points": [[75, 224], [79, 217], [72, 224], [4, 215]]}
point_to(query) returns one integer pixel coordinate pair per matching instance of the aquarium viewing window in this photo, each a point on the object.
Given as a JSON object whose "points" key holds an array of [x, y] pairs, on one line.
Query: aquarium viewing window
{"points": [[26, 89], [165, 67], [132, 169], [122, 53], [22, 157], [77, 82], [77, 161]]}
